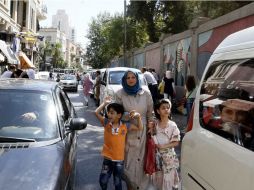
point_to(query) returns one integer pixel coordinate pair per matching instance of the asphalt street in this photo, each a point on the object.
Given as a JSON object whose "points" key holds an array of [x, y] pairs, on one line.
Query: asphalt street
{"points": [[90, 141]]}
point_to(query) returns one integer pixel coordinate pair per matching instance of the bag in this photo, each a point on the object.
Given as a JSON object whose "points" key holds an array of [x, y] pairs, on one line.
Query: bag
{"points": [[149, 162], [158, 160]]}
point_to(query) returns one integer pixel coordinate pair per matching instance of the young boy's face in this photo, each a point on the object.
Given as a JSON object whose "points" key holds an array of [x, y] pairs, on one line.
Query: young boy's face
{"points": [[113, 116]]}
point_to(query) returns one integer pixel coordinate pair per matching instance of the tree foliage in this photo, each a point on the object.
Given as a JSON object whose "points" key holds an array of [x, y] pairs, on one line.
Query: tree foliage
{"points": [[53, 51], [146, 21], [106, 38], [175, 16]]}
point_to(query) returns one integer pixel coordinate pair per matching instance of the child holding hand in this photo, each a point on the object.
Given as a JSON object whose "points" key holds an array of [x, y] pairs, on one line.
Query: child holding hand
{"points": [[114, 140]]}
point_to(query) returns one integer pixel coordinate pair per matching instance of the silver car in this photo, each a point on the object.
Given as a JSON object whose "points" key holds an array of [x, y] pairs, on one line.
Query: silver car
{"points": [[69, 82]]}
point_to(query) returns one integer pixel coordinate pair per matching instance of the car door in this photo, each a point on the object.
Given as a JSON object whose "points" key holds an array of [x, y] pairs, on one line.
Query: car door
{"points": [[69, 137]]}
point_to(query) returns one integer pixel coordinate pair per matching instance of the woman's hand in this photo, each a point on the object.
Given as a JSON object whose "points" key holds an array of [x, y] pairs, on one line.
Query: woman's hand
{"points": [[160, 146], [134, 115]]}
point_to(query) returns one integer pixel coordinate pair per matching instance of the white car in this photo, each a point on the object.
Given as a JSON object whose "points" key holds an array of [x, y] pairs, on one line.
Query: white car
{"points": [[217, 151], [112, 81], [69, 82], [43, 75]]}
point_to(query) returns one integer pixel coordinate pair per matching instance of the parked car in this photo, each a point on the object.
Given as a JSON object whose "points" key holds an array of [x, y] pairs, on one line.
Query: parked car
{"points": [[37, 135], [69, 82], [43, 75], [217, 151], [112, 81]]}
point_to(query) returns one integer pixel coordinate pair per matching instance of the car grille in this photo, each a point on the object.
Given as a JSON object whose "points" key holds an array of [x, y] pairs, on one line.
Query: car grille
{"points": [[13, 145]]}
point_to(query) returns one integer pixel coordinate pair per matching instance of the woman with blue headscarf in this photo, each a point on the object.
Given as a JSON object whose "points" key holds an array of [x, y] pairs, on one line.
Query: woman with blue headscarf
{"points": [[133, 97]]}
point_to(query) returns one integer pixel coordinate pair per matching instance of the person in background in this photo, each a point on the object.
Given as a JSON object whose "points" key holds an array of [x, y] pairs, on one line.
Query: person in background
{"points": [[114, 140], [166, 138], [31, 73], [87, 86], [58, 77], [156, 76], [161, 88], [191, 90], [51, 76], [152, 83], [133, 97], [9, 72], [17, 73], [97, 86], [169, 89]]}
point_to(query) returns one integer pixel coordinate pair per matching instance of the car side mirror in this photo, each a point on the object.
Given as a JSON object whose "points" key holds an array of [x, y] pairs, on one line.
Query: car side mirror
{"points": [[103, 83], [76, 124]]}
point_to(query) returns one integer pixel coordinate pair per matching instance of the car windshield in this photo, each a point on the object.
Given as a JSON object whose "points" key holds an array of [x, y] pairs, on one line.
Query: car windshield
{"points": [[69, 77], [27, 114], [115, 77]]}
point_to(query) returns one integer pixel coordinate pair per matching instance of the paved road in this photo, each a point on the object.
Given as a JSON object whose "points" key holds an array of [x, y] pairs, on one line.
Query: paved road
{"points": [[90, 142]]}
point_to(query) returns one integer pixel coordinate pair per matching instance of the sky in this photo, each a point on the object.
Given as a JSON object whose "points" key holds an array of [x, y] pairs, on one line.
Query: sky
{"points": [[80, 13]]}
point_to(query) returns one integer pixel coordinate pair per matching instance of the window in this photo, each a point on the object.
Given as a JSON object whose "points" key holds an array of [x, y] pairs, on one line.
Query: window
{"points": [[227, 101], [48, 38]]}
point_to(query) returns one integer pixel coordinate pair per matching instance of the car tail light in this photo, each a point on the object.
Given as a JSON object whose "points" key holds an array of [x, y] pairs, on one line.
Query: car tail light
{"points": [[190, 121]]}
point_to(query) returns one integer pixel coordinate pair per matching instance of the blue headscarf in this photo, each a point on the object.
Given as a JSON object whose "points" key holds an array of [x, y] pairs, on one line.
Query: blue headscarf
{"points": [[131, 90]]}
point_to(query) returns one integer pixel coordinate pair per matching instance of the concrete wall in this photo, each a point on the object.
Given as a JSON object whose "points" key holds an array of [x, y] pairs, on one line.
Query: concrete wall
{"points": [[188, 52]]}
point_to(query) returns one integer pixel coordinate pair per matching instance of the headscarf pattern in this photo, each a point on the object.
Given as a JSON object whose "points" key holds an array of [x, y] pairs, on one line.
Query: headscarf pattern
{"points": [[131, 90]]}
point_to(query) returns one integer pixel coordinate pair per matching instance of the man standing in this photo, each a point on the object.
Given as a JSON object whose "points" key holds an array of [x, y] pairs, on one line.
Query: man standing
{"points": [[97, 87], [152, 83]]}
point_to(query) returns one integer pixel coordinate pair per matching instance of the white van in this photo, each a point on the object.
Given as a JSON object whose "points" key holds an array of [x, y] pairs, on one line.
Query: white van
{"points": [[217, 151]]}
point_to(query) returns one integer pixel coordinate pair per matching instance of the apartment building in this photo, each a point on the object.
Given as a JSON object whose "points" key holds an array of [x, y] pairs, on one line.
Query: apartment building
{"points": [[19, 23]]}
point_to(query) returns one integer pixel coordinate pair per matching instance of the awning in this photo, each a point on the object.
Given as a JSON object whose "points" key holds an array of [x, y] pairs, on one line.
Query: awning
{"points": [[6, 51], [25, 62]]}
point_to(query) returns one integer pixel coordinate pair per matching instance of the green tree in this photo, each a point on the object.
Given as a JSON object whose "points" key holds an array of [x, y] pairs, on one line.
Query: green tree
{"points": [[106, 38], [175, 16], [145, 12], [57, 58]]}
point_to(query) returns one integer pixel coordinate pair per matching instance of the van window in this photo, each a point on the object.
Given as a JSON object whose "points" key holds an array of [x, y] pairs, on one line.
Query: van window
{"points": [[227, 101]]}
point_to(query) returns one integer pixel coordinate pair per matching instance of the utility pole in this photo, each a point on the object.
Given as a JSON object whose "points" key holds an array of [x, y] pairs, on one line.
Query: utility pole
{"points": [[125, 37]]}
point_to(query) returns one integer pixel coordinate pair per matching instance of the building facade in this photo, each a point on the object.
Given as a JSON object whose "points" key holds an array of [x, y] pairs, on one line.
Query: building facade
{"points": [[19, 23]]}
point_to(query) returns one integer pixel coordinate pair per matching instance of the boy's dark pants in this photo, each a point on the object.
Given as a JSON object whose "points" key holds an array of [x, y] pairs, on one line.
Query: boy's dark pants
{"points": [[109, 167]]}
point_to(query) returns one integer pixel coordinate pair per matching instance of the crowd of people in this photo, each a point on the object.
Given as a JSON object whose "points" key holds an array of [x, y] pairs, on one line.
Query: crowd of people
{"points": [[13, 72], [151, 109]]}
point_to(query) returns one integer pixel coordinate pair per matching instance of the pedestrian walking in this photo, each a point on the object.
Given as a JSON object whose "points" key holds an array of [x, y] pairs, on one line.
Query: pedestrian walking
{"points": [[97, 86], [114, 141], [169, 89], [133, 97], [87, 86], [152, 83], [191, 90], [166, 138]]}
